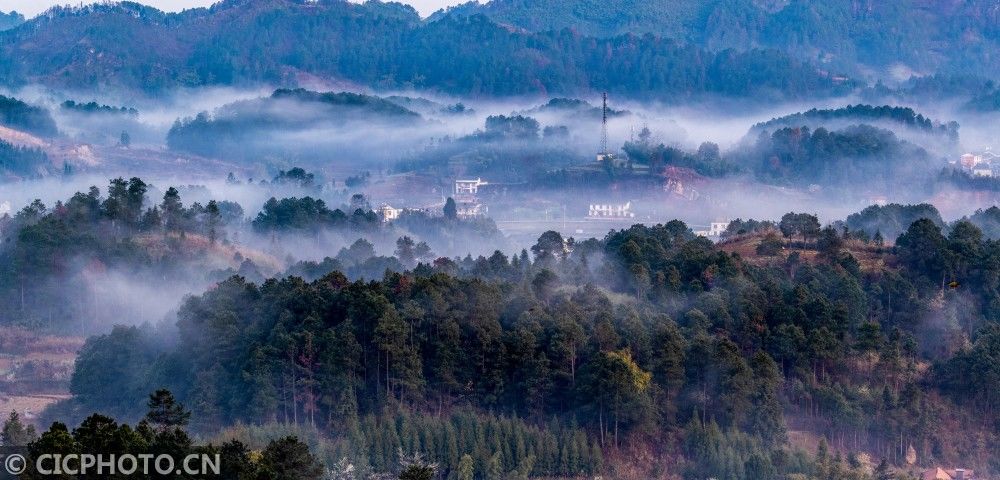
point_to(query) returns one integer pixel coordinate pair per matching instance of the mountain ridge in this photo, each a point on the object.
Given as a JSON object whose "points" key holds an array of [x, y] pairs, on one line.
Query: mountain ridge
{"points": [[919, 36], [382, 46]]}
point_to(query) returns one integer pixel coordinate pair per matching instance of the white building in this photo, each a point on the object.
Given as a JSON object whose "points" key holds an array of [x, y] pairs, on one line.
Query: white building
{"points": [[623, 210], [611, 159], [982, 171], [715, 229], [387, 212], [469, 187], [970, 160]]}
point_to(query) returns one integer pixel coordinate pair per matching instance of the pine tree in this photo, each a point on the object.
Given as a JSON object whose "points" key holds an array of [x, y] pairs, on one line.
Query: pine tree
{"points": [[466, 468], [289, 459], [450, 209], [172, 209], [15, 433], [494, 469], [212, 220], [765, 417], [596, 459], [414, 467], [135, 197], [206, 399], [401, 364], [165, 412]]}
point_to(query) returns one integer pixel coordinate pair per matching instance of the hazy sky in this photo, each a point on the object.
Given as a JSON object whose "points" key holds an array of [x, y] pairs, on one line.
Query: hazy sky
{"points": [[31, 8]]}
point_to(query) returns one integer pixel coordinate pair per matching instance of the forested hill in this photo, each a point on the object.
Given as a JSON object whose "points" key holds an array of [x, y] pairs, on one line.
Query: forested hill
{"points": [[919, 34], [383, 46], [245, 129], [885, 114], [10, 20], [649, 339]]}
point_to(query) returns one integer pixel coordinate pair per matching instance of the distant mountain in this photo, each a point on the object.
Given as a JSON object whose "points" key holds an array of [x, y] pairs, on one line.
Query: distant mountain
{"points": [[10, 20], [903, 35], [987, 102], [886, 114], [378, 45], [298, 121]]}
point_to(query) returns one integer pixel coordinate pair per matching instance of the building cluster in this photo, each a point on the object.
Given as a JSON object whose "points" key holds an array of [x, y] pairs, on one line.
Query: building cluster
{"points": [[980, 165], [466, 197], [611, 211], [467, 202]]}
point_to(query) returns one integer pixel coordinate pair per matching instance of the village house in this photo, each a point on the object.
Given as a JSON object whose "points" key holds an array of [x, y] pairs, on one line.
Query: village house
{"points": [[612, 160], [611, 211], [388, 213], [982, 171], [715, 230], [469, 187], [984, 165], [970, 160]]}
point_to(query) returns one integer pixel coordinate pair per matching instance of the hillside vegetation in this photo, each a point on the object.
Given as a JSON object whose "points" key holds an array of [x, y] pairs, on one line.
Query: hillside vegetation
{"points": [[925, 36], [670, 340], [383, 46]]}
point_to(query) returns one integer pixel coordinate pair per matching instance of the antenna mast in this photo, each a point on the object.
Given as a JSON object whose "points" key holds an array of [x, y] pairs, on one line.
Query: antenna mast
{"points": [[604, 123]]}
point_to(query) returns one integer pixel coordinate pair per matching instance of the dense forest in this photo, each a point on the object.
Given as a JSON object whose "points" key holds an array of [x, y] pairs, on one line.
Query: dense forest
{"points": [[511, 148], [22, 161], [161, 432], [861, 157], [94, 107], [118, 240], [889, 221], [561, 360], [707, 160], [988, 101], [19, 115], [584, 352], [329, 312], [10, 20], [904, 116], [383, 46], [842, 33]]}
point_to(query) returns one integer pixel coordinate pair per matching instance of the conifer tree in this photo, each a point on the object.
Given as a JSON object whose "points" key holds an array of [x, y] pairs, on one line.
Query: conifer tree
{"points": [[15, 433], [165, 412], [466, 468]]}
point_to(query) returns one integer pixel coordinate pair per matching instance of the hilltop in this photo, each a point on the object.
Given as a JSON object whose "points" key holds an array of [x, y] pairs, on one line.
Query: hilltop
{"points": [[911, 35], [10, 20], [376, 45], [871, 258]]}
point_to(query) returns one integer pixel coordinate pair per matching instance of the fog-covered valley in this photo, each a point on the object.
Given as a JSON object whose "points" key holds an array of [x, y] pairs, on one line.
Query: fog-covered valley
{"points": [[336, 240], [403, 153]]}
